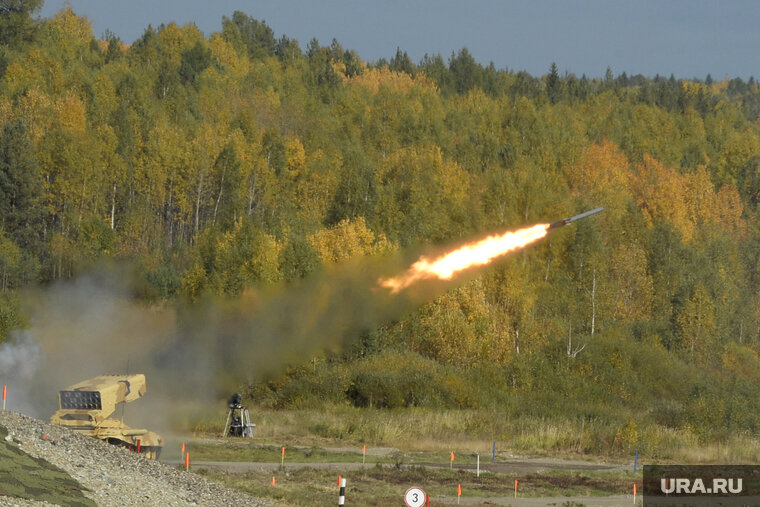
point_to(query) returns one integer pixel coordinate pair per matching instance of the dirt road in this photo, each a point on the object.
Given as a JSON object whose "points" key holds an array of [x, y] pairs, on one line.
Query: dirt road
{"points": [[514, 467]]}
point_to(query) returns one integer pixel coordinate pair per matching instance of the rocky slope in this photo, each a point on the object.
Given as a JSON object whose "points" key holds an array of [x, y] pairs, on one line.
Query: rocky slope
{"points": [[113, 476]]}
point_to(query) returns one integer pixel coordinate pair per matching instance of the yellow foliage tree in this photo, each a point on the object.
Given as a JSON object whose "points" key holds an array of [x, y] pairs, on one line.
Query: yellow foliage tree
{"points": [[730, 208], [399, 82], [36, 109], [602, 173], [697, 321], [296, 159], [661, 194], [700, 197], [71, 114], [347, 240]]}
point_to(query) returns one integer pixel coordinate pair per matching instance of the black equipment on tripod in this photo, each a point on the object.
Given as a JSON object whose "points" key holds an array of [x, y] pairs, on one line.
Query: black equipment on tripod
{"points": [[238, 420]]}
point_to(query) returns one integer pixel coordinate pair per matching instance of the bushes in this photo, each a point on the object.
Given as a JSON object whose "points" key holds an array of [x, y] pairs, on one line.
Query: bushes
{"points": [[389, 379], [404, 379], [10, 315], [622, 393]]}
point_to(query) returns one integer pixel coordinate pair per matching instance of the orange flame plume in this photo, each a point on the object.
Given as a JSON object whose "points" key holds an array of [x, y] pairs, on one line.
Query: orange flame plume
{"points": [[468, 256]]}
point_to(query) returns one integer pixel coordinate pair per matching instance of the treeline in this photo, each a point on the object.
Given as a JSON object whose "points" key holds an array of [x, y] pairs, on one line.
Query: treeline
{"points": [[240, 160]]}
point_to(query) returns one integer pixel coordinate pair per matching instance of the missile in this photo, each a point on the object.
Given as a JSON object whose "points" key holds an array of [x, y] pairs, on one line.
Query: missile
{"points": [[566, 221]]}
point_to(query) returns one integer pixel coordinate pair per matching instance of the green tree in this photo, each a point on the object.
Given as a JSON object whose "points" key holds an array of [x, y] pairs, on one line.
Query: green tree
{"points": [[229, 202], [466, 73], [16, 22], [402, 63], [21, 213], [10, 260], [194, 61], [249, 35], [553, 84]]}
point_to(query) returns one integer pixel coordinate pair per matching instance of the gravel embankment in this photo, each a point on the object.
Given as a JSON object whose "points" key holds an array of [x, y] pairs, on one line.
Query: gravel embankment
{"points": [[115, 476]]}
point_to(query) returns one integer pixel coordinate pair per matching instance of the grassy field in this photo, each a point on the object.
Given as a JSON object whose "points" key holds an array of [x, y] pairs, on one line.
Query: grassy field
{"points": [[380, 486], [403, 445], [474, 431]]}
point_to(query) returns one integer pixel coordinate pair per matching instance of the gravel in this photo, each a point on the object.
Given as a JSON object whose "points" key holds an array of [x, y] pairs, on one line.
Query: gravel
{"points": [[114, 476]]}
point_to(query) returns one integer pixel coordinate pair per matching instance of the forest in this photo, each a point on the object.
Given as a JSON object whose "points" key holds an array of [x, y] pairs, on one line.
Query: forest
{"points": [[241, 160]]}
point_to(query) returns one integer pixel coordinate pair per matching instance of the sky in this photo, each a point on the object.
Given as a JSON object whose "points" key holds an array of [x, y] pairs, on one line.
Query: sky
{"points": [[686, 38]]}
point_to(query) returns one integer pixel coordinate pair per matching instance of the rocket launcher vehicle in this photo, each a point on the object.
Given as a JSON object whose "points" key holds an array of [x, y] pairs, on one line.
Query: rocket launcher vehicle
{"points": [[88, 407]]}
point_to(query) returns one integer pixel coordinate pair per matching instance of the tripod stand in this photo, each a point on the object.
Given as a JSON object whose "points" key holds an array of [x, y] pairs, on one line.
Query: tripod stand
{"points": [[238, 419]]}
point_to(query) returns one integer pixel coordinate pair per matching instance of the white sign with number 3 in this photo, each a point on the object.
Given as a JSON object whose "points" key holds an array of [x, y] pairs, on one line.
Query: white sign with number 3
{"points": [[414, 497]]}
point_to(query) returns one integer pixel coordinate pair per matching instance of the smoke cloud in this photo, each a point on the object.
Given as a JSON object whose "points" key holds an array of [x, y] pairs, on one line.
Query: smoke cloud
{"points": [[195, 354], [19, 362], [198, 352]]}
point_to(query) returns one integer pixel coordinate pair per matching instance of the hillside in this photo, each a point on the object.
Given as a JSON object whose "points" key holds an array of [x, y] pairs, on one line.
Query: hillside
{"points": [[211, 172]]}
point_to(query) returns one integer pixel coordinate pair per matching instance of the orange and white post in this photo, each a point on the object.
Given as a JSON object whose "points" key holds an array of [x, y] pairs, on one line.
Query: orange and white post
{"points": [[451, 466], [187, 461], [515, 488], [5, 392], [459, 492], [274, 482], [364, 452], [634, 493], [282, 461]]}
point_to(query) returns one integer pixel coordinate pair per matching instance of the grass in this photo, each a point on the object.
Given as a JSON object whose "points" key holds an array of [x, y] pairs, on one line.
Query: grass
{"points": [[381, 486], [470, 431], [24, 476], [255, 451], [421, 437]]}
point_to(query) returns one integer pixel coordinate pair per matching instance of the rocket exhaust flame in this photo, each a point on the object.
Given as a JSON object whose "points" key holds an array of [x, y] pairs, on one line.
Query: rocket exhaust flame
{"points": [[478, 253], [474, 254]]}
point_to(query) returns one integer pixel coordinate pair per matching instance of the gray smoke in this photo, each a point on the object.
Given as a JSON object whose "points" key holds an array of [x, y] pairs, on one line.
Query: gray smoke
{"points": [[190, 353], [20, 360]]}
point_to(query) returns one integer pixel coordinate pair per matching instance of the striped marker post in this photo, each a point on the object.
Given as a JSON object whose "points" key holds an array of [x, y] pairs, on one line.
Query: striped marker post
{"points": [[634, 493], [515, 488], [5, 392], [187, 462], [459, 492], [364, 452], [451, 467], [282, 462], [342, 493]]}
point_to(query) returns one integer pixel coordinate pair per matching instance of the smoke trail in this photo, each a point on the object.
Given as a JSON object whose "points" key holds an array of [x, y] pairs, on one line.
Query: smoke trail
{"points": [[202, 351]]}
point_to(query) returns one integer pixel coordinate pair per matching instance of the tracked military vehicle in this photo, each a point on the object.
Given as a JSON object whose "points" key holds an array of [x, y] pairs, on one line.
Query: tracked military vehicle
{"points": [[87, 407]]}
